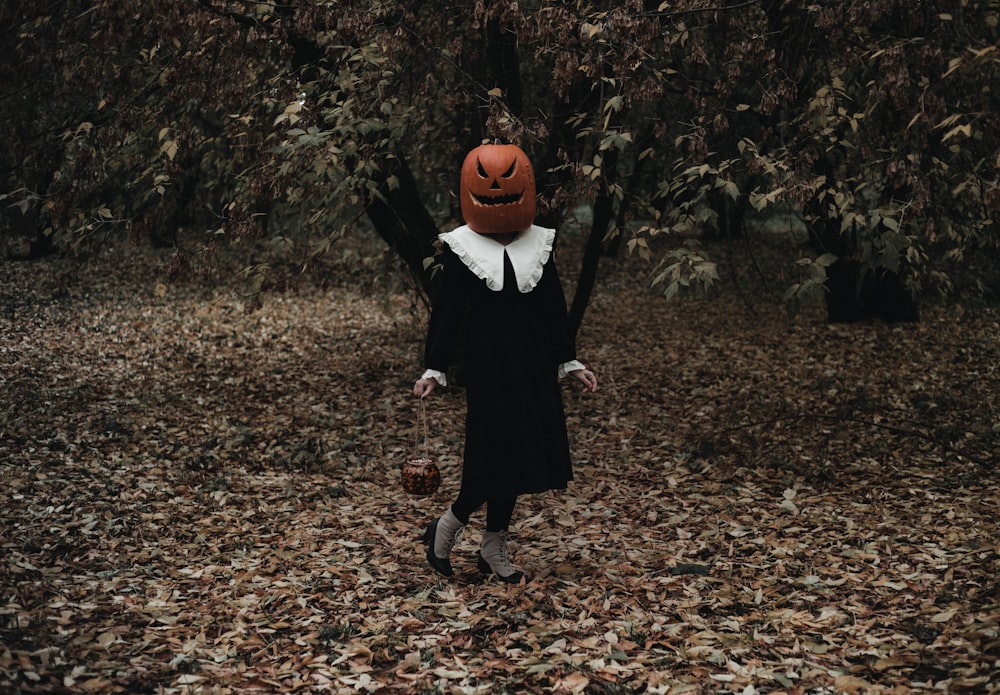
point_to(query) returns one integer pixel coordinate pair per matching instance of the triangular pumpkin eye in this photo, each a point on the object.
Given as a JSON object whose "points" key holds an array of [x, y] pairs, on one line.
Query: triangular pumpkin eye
{"points": [[482, 172], [510, 172]]}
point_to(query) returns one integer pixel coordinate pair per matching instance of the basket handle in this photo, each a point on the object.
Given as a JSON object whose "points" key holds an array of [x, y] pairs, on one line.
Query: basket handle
{"points": [[418, 451]]}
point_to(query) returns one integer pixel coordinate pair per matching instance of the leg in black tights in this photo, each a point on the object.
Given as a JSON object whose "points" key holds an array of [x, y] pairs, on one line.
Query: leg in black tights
{"points": [[466, 504], [498, 511]]}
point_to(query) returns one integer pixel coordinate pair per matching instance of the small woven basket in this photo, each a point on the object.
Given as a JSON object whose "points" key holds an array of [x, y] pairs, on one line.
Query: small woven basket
{"points": [[419, 474]]}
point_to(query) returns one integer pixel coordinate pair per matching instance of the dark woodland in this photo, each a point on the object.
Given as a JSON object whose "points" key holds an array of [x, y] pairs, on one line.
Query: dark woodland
{"points": [[777, 233]]}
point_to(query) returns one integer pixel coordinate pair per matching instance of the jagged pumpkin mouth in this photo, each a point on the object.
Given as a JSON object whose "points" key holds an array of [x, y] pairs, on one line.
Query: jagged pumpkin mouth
{"points": [[489, 200]]}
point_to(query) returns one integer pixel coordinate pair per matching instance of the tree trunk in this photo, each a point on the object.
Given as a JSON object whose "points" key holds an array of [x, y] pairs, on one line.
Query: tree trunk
{"points": [[856, 293], [603, 216], [403, 222], [503, 66]]}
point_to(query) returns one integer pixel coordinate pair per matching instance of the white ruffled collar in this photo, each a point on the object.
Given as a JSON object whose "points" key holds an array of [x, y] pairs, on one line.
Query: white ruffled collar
{"points": [[483, 255]]}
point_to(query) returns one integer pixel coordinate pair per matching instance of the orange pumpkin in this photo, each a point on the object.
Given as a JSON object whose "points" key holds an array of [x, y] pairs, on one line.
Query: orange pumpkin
{"points": [[497, 189]]}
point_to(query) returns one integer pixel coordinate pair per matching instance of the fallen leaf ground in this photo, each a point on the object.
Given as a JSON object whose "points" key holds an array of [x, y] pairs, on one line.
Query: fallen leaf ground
{"points": [[198, 501]]}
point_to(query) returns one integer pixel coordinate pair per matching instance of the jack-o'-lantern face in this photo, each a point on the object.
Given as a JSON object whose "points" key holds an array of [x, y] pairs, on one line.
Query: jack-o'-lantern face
{"points": [[497, 189]]}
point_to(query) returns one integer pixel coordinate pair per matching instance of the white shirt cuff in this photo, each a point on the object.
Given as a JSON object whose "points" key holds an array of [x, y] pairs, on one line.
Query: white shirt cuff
{"points": [[566, 367], [436, 375]]}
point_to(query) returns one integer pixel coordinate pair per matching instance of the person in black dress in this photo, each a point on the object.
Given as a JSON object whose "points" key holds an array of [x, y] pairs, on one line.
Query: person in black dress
{"points": [[502, 292]]}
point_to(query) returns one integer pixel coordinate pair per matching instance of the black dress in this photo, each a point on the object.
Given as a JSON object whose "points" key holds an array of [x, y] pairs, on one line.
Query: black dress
{"points": [[515, 427]]}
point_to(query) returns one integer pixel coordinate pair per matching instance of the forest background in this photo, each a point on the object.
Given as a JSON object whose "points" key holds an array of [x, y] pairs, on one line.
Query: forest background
{"points": [[778, 231]]}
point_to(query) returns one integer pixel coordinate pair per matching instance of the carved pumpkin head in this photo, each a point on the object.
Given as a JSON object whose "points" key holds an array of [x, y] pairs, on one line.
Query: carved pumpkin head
{"points": [[497, 189]]}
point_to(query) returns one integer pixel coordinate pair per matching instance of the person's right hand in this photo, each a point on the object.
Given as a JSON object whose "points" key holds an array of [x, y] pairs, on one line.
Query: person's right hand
{"points": [[424, 387]]}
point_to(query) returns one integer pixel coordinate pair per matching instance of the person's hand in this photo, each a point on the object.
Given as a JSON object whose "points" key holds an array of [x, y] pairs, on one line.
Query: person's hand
{"points": [[587, 378], [424, 387]]}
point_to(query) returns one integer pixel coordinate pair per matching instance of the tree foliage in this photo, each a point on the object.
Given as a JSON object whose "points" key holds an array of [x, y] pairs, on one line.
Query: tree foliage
{"points": [[870, 123]]}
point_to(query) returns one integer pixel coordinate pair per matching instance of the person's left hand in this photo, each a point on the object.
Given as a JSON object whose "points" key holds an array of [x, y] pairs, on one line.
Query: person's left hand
{"points": [[587, 378]]}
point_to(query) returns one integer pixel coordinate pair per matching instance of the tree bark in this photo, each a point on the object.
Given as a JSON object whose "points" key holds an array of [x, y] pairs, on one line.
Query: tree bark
{"points": [[853, 292], [604, 214], [403, 222], [503, 66]]}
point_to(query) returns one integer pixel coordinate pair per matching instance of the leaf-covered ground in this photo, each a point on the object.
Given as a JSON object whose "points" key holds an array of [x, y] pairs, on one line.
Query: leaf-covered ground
{"points": [[198, 501]]}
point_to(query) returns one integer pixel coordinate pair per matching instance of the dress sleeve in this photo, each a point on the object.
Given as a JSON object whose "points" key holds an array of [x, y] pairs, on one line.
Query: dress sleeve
{"points": [[447, 310], [566, 367], [439, 377], [563, 343]]}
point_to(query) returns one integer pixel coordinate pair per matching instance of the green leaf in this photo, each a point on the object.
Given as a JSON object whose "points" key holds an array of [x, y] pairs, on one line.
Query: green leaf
{"points": [[615, 103]]}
